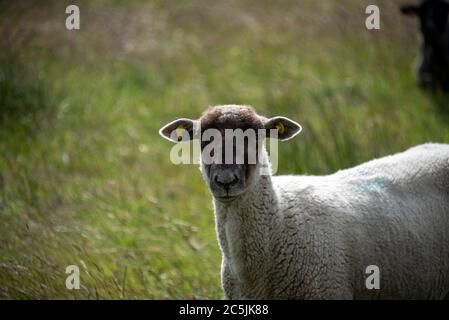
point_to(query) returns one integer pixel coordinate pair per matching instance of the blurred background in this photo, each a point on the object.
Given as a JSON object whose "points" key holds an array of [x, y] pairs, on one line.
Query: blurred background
{"points": [[85, 178]]}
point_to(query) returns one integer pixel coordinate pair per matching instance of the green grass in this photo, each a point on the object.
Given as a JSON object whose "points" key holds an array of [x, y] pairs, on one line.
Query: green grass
{"points": [[86, 180]]}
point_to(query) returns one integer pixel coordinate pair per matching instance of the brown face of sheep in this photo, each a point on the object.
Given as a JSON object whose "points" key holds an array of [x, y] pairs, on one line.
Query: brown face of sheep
{"points": [[231, 144]]}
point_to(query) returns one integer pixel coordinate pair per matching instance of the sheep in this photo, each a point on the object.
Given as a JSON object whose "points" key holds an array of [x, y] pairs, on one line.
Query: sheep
{"points": [[433, 61], [313, 237]]}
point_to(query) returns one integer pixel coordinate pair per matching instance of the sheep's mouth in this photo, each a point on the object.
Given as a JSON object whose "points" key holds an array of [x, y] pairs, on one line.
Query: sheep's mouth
{"points": [[226, 198]]}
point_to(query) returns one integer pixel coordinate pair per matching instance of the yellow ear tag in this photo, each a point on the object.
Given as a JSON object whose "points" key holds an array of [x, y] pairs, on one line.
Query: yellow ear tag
{"points": [[180, 131], [280, 127]]}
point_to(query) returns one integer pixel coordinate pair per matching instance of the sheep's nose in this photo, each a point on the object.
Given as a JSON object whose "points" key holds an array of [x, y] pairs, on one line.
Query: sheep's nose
{"points": [[226, 180]]}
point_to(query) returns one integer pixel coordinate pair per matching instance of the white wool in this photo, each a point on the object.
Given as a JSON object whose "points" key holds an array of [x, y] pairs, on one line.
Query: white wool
{"points": [[312, 237]]}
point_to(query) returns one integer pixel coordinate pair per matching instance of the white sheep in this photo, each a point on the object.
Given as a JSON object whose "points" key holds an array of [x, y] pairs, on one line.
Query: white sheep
{"points": [[312, 237]]}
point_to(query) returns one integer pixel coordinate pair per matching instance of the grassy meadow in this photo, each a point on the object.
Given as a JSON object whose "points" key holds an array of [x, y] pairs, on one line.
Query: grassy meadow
{"points": [[85, 178]]}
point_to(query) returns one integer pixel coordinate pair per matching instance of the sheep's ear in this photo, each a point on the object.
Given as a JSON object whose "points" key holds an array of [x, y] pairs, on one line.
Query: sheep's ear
{"points": [[286, 128], [179, 130], [410, 10]]}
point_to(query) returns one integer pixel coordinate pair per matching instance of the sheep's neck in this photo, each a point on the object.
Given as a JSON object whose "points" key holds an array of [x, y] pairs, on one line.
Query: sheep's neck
{"points": [[244, 228]]}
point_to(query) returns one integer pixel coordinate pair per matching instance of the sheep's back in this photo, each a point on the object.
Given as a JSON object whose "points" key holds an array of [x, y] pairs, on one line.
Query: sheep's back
{"points": [[391, 212]]}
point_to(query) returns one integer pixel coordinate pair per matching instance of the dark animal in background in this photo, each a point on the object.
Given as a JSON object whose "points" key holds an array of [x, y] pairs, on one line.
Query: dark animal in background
{"points": [[433, 62]]}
